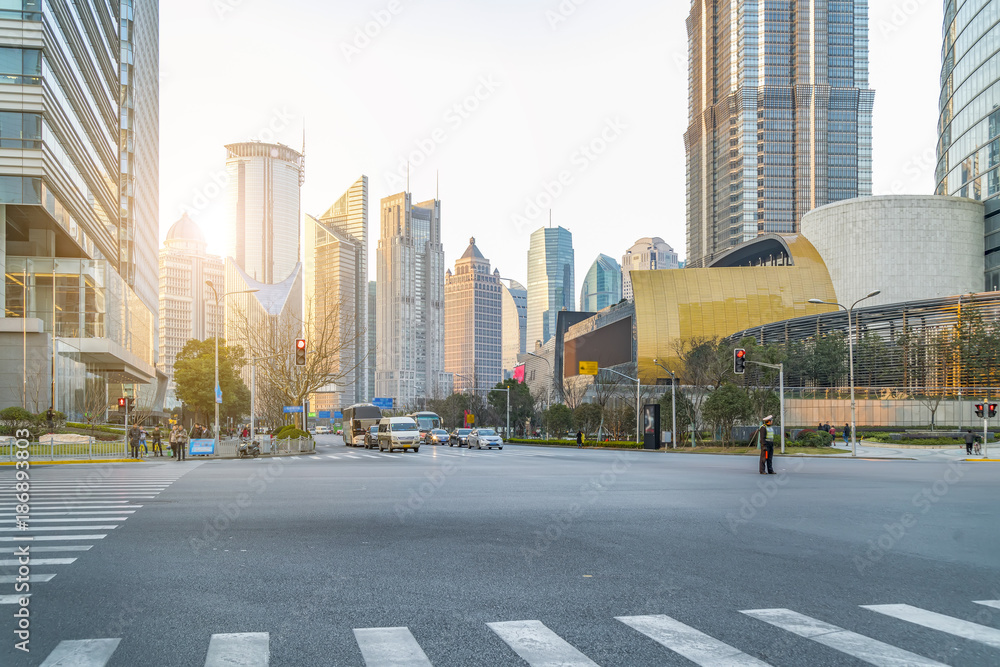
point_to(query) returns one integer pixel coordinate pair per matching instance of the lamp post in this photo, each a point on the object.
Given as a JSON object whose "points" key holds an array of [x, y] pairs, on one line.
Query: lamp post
{"points": [[638, 392], [218, 389], [548, 393], [673, 404], [850, 353]]}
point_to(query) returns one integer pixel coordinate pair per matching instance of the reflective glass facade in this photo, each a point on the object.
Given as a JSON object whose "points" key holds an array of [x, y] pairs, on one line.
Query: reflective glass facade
{"points": [[602, 286], [551, 281], [780, 117]]}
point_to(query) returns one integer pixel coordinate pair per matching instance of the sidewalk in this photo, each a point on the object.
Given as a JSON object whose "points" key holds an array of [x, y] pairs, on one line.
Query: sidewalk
{"points": [[887, 451]]}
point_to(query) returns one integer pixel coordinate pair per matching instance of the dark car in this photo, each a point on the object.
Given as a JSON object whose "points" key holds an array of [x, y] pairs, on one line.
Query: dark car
{"points": [[460, 437], [371, 438], [437, 436]]}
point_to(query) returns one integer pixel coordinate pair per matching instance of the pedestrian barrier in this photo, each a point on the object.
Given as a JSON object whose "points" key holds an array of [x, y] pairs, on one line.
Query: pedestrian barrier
{"points": [[75, 448]]}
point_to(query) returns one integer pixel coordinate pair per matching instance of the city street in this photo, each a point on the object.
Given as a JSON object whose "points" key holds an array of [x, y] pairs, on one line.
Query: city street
{"points": [[528, 555]]}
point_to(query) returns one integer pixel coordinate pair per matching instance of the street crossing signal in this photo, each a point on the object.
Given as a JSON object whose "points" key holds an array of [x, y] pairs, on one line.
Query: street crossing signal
{"points": [[993, 410], [979, 409], [300, 352], [121, 402], [739, 360]]}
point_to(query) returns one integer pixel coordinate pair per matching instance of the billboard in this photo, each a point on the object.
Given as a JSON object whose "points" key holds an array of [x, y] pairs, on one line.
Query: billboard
{"points": [[608, 345], [519, 373]]}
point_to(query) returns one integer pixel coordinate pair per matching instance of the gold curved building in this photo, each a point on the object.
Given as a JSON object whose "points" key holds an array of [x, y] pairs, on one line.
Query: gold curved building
{"points": [[767, 280]]}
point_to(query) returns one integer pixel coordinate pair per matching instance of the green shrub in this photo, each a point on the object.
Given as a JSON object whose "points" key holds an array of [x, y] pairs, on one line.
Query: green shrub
{"points": [[568, 443], [811, 438], [290, 432]]}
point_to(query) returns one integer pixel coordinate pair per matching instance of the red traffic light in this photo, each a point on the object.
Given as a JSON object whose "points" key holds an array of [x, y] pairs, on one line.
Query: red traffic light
{"points": [[300, 344], [741, 353], [979, 409], [121, 402], [992, 411]]}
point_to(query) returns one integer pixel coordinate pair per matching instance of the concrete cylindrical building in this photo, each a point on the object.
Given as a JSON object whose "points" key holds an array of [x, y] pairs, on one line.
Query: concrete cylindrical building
{"points": [[910, 247]]}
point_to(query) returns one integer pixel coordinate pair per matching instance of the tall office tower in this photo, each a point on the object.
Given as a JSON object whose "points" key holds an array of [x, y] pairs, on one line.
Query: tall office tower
{"points": [[410, 319], [602, 286], [646, 254], [336, 282], [514, 311], [264, 208], [968, 150], [780, 117], [551, 285], [473, 341], [187, 306], [372, 337], [79, 186]]}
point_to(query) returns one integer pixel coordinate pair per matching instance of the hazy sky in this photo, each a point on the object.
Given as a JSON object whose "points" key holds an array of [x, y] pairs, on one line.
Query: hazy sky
{"points": [[513, 103]]}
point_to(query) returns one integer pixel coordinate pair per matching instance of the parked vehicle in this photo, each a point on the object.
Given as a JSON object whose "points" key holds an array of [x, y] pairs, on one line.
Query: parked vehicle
{"points": [[248, 448], [485, 437], [426, 422], [371, 440], [322, 430], [398, 433], [436, 436], [357, 420], [460, 437]]}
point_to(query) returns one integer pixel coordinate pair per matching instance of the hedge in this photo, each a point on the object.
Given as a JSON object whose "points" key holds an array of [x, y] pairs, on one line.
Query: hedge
{"points": [[568, 443]]}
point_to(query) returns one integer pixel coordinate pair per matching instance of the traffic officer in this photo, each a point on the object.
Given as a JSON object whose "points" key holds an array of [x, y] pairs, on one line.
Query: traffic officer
{"points": [[765, 438]]}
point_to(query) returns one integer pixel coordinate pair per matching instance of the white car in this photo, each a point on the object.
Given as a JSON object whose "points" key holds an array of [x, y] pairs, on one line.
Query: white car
{"points": [[398, 433], [485, 437], [320, 430]]}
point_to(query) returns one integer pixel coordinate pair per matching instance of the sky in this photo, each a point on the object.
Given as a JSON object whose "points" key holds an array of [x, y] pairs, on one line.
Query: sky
{"points": [[506, 109]]}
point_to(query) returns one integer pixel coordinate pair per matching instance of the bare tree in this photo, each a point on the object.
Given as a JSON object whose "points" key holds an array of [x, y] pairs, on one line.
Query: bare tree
{"points": [[705, 368], [574, 389], [95, 401], [606, 387], [36, 385]]}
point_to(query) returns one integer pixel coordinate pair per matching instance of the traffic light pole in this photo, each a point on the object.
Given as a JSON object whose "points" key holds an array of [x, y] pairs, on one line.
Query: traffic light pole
{"points": [[986, 421]]}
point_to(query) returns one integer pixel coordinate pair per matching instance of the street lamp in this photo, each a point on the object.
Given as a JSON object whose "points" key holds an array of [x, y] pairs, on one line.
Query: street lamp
{"points": [[218, 389], [548, 392], [850, 352], [673, 403], [638, 393]]}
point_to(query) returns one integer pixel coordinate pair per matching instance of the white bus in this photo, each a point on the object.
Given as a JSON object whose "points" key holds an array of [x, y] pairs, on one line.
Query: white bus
{"points": [[357, 419], [425, 422]]}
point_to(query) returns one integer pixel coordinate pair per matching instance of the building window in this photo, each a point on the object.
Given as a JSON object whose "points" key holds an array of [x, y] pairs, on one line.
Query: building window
{"points": [[21, 66], [20, 130], [24, 10]]}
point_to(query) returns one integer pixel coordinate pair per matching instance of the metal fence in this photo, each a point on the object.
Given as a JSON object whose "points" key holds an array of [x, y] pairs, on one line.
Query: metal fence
{"points": [[96, 450]]}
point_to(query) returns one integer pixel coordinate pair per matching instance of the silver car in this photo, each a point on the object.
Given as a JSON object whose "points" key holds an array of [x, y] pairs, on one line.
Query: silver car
{"points": [[485, 437]]}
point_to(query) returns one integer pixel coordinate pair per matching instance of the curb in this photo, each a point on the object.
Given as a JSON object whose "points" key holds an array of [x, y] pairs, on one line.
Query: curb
{"points": [[982, 460]]}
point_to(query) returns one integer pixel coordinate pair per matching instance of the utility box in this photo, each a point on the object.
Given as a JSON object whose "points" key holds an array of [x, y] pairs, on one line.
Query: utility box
{"points": [[651, 426]]}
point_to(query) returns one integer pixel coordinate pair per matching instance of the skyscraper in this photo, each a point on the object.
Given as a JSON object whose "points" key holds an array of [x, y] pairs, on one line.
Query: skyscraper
{"points": [[514, 311], [410, 320], [336, 283], [187, 306], [602, 286], [551, 285], [472, 320], [80, 192], [780, 117], [372, 337], [264, 208], [648, 253]]}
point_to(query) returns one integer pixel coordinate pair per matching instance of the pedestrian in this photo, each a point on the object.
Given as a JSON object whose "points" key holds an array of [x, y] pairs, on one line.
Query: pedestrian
{"points": [[969, 439], [765, 439], [157, 437], [196, 431], [50, 419], [173, 440], [579, 439], [142, 441], [182, 440], [133, 441], [847, 433]]}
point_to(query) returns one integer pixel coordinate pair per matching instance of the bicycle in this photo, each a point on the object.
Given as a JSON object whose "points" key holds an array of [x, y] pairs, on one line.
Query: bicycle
{"points": [[977, 448]]}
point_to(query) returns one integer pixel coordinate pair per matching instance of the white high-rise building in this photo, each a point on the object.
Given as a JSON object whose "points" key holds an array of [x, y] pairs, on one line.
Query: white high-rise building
{"points": [[648, 253], [187, 307], [551, 282], [264, 209], [410, 317], [473, 322], [514, 312]]}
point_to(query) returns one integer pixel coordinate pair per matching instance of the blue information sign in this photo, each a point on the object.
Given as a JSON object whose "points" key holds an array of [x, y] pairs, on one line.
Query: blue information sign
{"points": [[384, 403], [293, 408], [338, 415], [323, 414], [201, 446]]}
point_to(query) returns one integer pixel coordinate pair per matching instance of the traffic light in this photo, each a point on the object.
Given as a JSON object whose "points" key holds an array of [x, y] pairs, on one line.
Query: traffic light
{"points": [[121, 404], [993, 410], [300, 352], [979, 409], [739, 360]]}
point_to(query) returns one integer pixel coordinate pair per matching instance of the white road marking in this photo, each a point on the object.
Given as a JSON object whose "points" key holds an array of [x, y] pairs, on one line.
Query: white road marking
{"points": [[32, 519], [989, 603], [32, 528], [861, 647], [318, 458], [52, 538], [32, 578], [539, 646], [390, 647], [77, 547], [37, 561], [935, 621], [88, 513], [239, 649], [331, 456], [82, 653], [693, 644], [13, 599]]}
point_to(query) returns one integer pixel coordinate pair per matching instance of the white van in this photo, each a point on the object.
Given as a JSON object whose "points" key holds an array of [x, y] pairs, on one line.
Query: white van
{"points": [[398, 433]]}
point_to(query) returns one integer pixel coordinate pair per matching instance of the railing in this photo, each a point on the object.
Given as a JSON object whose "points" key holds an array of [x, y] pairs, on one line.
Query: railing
{"points": [[94, 449]]}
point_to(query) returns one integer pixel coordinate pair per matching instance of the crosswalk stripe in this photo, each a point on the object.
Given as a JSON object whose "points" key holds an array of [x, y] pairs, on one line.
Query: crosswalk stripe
{"points": [[75, 547], [940, 622], [861, 647], [82, 653], [315, 457], [390, 647], [52, 538], [989, 603], [87, 512], [13, 599], [693, 644], [32, 528], [32, 578], [331, 456], [369, 456], [69, 518], [46, 507], [37, 561], [539, 646], [239, 649]]}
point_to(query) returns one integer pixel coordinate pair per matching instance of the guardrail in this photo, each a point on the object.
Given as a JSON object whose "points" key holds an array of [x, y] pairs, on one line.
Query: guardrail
{"points": [[93, 449]]}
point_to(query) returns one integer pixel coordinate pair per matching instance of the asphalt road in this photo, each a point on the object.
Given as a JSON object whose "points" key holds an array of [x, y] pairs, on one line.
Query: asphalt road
{"points": [[454, 550]]}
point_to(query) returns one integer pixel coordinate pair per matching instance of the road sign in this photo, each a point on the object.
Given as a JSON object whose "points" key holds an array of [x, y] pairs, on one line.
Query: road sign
{"points": [[293, 408], [201, 446], [337, 415], [588, 368], [324, 414], [312, 415], [384, 403]]}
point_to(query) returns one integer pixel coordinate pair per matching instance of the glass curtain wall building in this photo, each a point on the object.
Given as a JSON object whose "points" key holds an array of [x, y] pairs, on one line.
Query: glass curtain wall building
{"points": [[602, 286], [968, 148], [473, 316], [78, 197], [780, 117], [551, 283]]}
